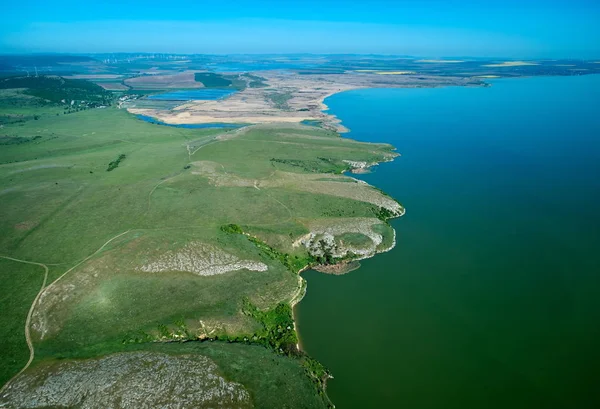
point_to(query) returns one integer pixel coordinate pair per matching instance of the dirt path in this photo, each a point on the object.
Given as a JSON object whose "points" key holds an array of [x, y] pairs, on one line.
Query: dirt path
{"points": [[39, 294], [156, 187], [29, 314], [86, 259]]}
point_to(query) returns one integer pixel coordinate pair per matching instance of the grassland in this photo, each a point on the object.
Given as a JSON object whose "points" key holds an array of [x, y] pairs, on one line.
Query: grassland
{"points": [[270, 380], [129, 218], [24, 280]]}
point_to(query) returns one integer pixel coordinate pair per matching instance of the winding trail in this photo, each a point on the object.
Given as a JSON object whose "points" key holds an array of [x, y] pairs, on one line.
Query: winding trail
{"points": [[39, 294], [156, 186], [290, 214], [29, 315], [87, 258]]}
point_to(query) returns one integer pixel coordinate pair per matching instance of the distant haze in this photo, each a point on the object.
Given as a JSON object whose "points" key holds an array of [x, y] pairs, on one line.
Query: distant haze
{"points": [[510, 28]]}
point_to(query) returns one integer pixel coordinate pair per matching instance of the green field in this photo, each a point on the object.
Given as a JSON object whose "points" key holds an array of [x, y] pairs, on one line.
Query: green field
{"points": [[129, 218], [214, 80], [24, 280]]}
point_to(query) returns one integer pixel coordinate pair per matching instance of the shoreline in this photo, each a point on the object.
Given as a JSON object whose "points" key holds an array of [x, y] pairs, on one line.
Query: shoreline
{"points": [[184, 115], [335, 122], [296, 300]]}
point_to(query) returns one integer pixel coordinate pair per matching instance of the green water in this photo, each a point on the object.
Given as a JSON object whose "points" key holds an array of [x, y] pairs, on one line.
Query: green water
{"points": [[491, 298]]}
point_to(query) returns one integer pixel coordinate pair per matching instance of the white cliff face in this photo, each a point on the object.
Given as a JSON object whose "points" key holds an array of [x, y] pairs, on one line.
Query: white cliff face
{"points": [[329, 238], [358, 164]]}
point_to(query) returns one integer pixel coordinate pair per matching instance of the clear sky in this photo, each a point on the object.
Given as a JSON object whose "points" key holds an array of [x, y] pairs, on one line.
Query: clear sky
{"points": [[484, 28]]}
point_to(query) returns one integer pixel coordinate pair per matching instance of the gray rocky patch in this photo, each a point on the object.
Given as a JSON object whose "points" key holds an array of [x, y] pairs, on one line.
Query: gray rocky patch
{"points": [[201, 259], [140, 380]]}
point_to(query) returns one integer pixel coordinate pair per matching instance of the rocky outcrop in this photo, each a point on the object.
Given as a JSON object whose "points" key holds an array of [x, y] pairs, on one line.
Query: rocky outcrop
{"points": [[136, 380]]}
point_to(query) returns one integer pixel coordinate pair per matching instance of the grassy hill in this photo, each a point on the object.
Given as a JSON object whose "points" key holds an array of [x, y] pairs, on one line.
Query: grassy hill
{"points": [[139, 254], [57, 89], [25, 98]]}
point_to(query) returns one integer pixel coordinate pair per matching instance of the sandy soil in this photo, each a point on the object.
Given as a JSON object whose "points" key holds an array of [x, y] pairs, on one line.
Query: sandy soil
{"points": [[307, 94], [180, 80], [113, 86]]}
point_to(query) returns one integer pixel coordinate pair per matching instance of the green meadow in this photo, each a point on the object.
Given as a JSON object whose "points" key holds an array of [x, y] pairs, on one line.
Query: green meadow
{"points": [[128, 216]]}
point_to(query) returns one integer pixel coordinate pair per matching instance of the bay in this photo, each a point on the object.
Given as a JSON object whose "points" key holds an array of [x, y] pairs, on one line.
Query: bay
{"points": [[491, 297]]}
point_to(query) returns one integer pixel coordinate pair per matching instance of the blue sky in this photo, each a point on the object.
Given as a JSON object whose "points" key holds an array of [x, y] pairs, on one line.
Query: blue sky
{"points": [[506, 28]]}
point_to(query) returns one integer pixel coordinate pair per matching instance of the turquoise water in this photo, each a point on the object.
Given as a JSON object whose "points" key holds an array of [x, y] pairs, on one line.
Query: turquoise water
{"points": [[193, 94], [491, 298]]}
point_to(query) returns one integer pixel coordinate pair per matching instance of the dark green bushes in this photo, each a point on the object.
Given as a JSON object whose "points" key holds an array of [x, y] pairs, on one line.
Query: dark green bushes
{"points": [[115, 163], [232, 229], [383, 214], [56, 89], [212, 80], [293, 264], [277, 327], [321, 165], [17, 140]]}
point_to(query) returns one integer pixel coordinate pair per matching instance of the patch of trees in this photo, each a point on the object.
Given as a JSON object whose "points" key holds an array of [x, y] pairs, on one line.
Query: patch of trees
{"points": [[322, 252], [277, 331], [292, 263], [232, 229], [115, 163], [321, 165], [17, 140], [57, 89], [212, 80], [318, 374], [383, 214]]}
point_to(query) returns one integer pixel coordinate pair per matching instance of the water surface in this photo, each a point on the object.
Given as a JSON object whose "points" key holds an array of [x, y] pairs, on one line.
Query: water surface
{"points": [[491, 298]]}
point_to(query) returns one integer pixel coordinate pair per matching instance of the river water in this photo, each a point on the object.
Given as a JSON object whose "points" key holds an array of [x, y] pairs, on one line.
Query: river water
{"points": [[491, 298]]}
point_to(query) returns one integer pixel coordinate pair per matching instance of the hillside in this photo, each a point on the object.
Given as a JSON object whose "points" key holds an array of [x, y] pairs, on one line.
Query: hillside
{"points": [[146, 234]]}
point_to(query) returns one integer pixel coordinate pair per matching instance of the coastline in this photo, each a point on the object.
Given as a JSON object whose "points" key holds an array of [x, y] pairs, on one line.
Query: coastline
{"points": [[336, 124], [331, 122], [334, 121], [338, 127], [328, 315], [303, 290], [230, 111]]}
